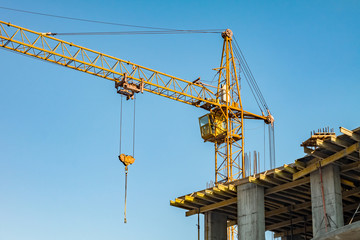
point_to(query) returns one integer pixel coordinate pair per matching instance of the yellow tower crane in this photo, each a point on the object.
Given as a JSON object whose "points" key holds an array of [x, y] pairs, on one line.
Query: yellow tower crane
{"points": [[223, 125]]}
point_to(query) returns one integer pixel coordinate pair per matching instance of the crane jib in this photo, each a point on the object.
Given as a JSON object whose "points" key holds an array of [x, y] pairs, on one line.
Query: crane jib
{"points": [[67, 54]]}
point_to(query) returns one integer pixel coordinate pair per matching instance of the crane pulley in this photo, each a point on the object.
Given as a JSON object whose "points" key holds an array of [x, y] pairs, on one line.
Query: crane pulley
{"points": [[128, 89]]}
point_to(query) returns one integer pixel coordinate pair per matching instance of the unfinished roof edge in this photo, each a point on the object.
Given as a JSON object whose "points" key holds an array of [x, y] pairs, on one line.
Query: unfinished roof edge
{"points": [[282, 191]]}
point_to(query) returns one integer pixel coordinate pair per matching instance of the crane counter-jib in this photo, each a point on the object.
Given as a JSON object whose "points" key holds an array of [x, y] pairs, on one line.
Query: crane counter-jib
{"points": [[50, 49]]}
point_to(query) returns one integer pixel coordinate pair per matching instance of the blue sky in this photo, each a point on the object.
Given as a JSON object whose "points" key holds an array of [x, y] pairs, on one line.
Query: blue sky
{"points": [[59, 129]]}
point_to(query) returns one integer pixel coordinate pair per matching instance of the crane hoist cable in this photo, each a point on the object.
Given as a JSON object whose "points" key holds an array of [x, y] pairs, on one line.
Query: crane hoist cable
{"points": [[121, 104], [126, 159], [250, 77]]}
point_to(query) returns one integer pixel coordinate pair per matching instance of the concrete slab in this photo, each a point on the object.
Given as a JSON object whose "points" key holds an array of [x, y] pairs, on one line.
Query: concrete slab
{"points": [[348, 232]]}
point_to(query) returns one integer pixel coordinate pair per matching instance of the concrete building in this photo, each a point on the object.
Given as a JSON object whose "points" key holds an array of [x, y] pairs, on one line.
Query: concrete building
{"points": [[316, 197]]}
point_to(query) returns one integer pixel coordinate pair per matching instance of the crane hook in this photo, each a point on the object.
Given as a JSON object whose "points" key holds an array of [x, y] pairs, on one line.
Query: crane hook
{"points": [[126, 160]]}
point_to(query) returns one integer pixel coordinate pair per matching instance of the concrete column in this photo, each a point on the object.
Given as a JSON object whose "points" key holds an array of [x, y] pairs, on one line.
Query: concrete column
{"points": [[215, 226], [251, 212], [332, 197]]}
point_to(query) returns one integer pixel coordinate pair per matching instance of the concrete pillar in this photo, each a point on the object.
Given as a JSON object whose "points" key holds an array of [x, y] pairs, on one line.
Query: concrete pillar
{"points": [[251, 212], [215, 226], [332, 197]]}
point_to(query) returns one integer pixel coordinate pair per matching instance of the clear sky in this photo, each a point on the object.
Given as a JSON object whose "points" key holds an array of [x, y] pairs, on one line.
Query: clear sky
{"points": [[59, 129]]}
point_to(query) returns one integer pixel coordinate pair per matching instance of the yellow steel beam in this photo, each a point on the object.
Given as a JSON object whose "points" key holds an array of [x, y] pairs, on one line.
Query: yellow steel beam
{"points": [[348, 183], [179, 205], [212, 206], [287, 186], [287, 209], [285, 223], [283, 174], [308, 150], [326, 161], [270, 180], [335, 147], [290, 169], [231, 223], [329, 146], [350, 166], [226, 188], [350, 133], [295, 231], [340, 142], [300, 164]]}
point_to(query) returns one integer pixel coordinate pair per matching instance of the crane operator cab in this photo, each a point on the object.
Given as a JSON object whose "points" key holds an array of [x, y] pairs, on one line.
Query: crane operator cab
{"points": [[212, 127]]}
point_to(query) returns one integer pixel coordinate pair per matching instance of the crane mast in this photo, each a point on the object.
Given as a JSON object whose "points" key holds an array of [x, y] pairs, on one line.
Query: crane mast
{"points": [[229, 152], [223, 125]]}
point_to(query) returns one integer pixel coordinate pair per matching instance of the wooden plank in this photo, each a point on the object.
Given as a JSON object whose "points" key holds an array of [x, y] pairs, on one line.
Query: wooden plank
{"points": [[347, 183], [212, 206], [350, 133], [280, 198], [351, 175], [200, 195], [329, 146], [212, 194], [295, 232], [308, 150], [350, 207], [288, 196], [350, 166], [290, 169], [271, 180], [189, 198], [351, 192], [232, 188], [326, 161], [224, 193], [274, 203], [340, 142], [287, 186], [300, 164], [226, 189], [179, 204], [284, 223], [259, 182], [283, 174], [287, 209], [231, 223]]}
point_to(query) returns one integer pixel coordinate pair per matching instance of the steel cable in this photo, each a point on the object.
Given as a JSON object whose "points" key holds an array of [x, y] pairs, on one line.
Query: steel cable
{"points": [[250, 75], [101, 22]]}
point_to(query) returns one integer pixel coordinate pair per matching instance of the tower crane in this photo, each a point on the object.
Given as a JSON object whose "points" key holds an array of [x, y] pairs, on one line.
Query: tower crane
{"points": [[223, 125]]}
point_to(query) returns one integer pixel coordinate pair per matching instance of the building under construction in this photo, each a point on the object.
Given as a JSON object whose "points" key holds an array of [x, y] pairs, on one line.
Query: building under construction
{"points": [[315, 197]]}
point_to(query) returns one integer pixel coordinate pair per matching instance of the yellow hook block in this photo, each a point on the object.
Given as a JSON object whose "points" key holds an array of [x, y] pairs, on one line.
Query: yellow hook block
{"points": [[126, 159]]}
